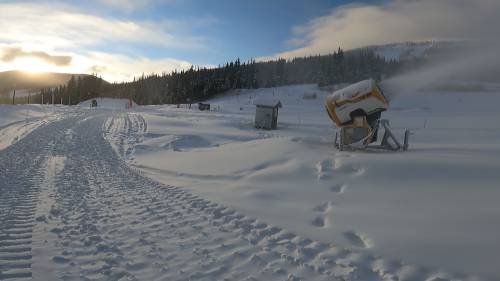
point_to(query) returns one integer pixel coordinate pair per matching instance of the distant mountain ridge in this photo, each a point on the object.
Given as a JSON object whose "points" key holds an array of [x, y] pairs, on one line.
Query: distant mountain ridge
{"points": [[32, 81], [412, 50]]}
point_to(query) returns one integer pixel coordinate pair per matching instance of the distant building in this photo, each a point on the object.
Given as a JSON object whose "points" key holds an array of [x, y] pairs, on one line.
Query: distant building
{"points": [[266, 113], [203, 106]]}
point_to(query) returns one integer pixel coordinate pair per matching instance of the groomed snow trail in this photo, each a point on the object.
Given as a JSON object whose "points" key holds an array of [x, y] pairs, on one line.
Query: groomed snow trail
{"points": [[71, 209]]}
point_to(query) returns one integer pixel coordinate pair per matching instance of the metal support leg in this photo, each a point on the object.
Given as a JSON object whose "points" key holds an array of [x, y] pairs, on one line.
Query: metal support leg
{"points": [[388, 135], [335, 141], [406, 139], [341, 139]]}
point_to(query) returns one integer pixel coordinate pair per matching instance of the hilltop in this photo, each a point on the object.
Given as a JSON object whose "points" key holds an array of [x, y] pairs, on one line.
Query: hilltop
{"points": [[32, 81]]}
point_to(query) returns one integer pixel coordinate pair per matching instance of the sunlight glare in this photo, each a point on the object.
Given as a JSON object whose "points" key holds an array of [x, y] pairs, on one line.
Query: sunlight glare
{"points": [[33, 65]]}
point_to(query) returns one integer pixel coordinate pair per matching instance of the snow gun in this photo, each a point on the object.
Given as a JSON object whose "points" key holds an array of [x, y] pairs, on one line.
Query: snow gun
{"points": [[356, 110]]}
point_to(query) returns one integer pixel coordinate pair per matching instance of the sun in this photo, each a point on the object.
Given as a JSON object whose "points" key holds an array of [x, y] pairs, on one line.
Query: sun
{"points": [[33, 65]]}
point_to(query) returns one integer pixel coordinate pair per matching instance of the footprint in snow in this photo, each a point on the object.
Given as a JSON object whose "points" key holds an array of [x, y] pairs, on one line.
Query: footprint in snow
{"points": [[324, 170], [319, 221], [358, 239], [324, 207], [328, 168], [338, 188], [323, 220]]}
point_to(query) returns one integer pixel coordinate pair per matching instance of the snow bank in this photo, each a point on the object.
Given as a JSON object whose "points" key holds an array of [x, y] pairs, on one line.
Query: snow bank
{"points": [[13, 113], [108, 103], [18, 120]]}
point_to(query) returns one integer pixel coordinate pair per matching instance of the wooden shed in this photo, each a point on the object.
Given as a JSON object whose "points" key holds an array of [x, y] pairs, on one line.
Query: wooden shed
{"points": [[266, 113]]}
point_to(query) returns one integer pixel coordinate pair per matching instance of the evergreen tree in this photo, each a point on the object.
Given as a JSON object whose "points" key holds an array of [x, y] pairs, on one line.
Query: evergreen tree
{"points": [[197, 84]]}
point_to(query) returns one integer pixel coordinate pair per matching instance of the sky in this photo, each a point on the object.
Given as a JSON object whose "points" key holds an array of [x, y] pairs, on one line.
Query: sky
{"points": [[121, 39]]}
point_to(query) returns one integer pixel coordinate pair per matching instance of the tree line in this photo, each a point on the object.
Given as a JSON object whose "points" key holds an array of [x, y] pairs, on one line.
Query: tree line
{"points": [[201, 83], [79, 88]]}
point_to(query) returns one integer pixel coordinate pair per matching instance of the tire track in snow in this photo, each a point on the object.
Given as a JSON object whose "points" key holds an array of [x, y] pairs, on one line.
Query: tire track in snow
{"points": [[20, 181], [113, 223], [108, 222], [124, 131]]}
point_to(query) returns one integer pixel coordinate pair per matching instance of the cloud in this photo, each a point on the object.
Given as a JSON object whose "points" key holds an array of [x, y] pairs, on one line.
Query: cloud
{"points": [[12, 53], [360, 25], [131, 5], [56, 37], [125, 5], [111, 67], [117, 68], [97, 69], [51, 26]]}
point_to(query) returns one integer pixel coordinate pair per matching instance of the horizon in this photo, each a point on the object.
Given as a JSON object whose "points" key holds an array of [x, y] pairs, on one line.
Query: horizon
{"points": [[120, 40]]}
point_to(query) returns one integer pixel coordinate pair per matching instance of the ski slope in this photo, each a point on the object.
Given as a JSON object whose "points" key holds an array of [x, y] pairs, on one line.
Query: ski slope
{"points": [[167, 193], [75, 210], [431, 210]]}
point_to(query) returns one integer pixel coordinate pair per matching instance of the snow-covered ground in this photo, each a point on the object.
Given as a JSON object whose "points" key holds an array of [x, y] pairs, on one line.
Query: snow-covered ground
{"points": [[404, 51], [434, 207], [17, 121], [108, 103], [203, 195], [72, 209]]}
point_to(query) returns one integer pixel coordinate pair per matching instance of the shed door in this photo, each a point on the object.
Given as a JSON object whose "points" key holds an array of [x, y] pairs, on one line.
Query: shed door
{"points": [[263, 117]]}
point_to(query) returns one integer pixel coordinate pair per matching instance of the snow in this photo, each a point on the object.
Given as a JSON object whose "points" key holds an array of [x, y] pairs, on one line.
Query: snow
{"points": [[9, 113], [356, 89], [74, 210], [404, 51], [108, 103], [19, 120], [267, 102], [434, 206], [203, 195]]}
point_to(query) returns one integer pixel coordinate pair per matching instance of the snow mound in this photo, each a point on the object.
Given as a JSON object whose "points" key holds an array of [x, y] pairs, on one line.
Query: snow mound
{"points": [[16, 121], [109, 103]]}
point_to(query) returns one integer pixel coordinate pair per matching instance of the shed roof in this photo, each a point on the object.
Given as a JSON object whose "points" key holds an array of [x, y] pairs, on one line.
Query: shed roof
{"points": [[267, 102]]}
